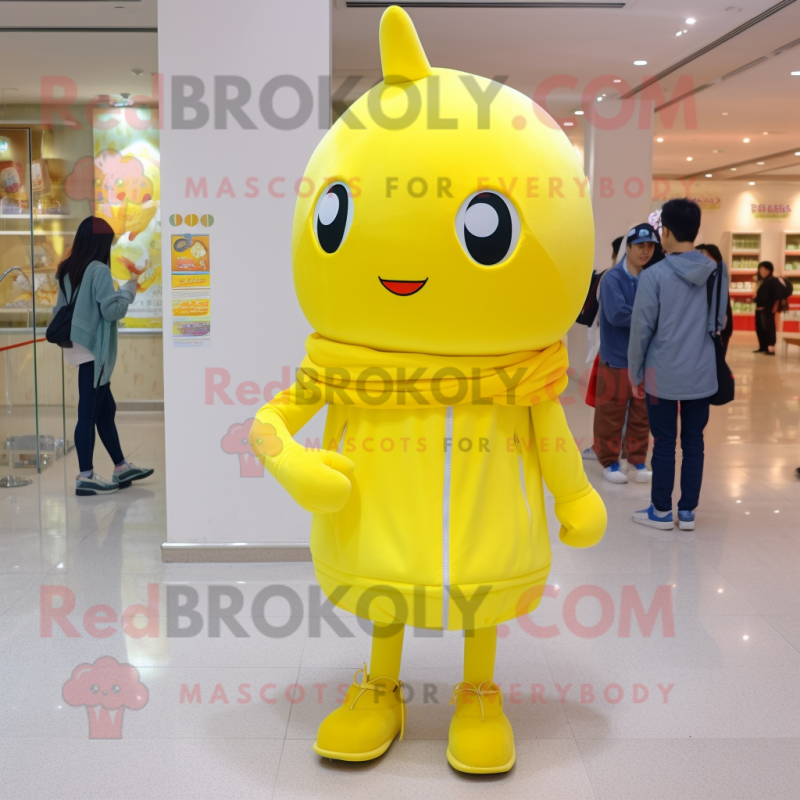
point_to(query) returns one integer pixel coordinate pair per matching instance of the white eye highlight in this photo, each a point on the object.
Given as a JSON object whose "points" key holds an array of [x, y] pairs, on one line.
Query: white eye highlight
{"points": [[481, 220]]}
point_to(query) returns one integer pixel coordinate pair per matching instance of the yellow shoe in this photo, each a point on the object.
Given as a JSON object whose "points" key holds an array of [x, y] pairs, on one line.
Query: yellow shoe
{"points": [[481, 738], [373, 712]]}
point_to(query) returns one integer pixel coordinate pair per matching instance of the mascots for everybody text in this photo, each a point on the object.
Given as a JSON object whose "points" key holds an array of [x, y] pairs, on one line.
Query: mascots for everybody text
{"points": [[440, 283]]}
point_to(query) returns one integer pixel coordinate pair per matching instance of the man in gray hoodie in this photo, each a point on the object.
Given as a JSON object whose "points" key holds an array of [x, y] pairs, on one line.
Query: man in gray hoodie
{"points": [[671, 360]]}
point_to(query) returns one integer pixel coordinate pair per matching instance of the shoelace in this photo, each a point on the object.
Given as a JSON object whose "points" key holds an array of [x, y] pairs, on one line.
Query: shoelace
{"points": [[480, 691], [374, 685]]}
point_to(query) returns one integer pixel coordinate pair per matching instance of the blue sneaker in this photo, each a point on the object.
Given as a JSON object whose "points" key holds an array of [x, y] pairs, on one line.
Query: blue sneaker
{"points": [[641, 474], [589, 454], [613, 472], [686, 520], [131, 473], [650, 517]]}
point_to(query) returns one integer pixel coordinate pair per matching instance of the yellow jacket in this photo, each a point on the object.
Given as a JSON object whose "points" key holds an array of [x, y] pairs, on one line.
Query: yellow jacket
{"points": [[445, 502]]}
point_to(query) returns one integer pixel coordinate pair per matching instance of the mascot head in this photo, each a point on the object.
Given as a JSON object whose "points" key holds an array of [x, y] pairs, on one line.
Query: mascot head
{"points": [[445, 214]]}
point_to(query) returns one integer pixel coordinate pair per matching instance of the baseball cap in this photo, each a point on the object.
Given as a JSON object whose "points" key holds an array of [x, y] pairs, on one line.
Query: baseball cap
{"points": [[643, 232]]}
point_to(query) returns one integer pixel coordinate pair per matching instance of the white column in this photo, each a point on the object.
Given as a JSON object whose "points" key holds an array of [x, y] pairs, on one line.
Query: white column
{"points": [[618, 160], [239, 163]]}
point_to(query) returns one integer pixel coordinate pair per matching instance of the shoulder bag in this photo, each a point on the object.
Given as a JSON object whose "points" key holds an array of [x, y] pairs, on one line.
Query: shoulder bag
{"points": [[726, 385]]}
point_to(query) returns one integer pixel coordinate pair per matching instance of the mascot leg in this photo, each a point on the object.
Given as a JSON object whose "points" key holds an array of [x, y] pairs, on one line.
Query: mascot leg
{"points": [[373, 711], [481, 739]]}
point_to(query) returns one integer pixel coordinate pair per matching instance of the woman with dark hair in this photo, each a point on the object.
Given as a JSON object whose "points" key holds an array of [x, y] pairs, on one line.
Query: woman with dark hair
{"points": [[97, 308], [768, 296], [712, 251]]}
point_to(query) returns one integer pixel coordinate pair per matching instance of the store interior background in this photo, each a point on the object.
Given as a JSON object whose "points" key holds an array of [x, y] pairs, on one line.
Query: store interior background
{"points": [[733, 124], [732, 726]]}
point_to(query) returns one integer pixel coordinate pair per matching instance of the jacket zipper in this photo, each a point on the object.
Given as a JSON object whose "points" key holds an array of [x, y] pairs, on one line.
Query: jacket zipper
{"points": [[448, 453]]}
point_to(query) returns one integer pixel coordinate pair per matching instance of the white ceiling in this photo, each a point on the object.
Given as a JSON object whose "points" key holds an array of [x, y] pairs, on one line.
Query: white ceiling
{"points": [[99, 63], [530, 45], [527, 45]]}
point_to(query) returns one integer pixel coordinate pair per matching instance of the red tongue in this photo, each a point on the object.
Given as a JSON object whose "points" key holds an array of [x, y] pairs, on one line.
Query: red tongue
{"points": [[403, 287]]}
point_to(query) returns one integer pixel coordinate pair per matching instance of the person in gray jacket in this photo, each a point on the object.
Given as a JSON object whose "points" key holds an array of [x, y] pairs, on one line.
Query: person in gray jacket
{"points": [[671, 360]]}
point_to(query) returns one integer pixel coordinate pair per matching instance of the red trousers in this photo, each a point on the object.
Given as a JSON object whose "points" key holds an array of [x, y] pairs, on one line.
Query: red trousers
{"points": [[614, 399]]}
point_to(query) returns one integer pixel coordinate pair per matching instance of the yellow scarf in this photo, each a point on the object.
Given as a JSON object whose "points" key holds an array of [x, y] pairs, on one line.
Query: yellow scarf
{"points": [[359, 376]]}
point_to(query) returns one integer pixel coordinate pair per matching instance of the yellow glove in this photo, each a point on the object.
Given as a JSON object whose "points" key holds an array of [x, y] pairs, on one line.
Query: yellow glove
{"points": [[583, 520], [317, 480]]}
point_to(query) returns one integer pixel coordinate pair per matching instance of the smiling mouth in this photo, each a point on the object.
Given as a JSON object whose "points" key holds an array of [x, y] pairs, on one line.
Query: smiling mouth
{"points": [[403, 288]]}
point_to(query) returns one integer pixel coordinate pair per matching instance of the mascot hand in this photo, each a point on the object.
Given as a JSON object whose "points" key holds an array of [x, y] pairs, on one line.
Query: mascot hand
{"points": [[583, 521], [317, 480]]}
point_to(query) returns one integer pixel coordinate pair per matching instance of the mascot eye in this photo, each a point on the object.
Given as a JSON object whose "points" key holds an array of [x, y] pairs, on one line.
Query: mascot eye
{"points": [[488, 226], [333, 216]]}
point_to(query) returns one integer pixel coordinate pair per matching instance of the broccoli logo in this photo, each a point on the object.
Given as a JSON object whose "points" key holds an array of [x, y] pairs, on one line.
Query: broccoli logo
{"points": [[250, 440], [106, 688]]}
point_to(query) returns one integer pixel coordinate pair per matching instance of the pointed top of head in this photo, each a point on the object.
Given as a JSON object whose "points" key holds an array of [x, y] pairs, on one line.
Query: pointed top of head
{"points": [[402, 56]]}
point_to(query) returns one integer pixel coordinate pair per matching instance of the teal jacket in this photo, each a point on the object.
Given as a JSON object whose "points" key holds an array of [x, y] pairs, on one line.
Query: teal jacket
{"points": [[94, 320]]}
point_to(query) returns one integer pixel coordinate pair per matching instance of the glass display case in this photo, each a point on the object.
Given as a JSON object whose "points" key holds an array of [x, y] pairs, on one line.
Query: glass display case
{"points": [[36, 229]]}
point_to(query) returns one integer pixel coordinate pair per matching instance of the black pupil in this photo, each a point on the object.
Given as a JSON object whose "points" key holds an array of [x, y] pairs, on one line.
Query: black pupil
{"points": [[492, 249], [330, 236]]}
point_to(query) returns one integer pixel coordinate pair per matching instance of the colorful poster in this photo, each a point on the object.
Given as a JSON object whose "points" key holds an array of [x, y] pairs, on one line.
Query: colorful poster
{"points": [[127, 194], [191, 253], [191, 318]]}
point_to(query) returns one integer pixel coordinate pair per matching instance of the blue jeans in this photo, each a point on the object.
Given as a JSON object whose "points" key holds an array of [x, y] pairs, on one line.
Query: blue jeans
{"points": [[663, 415], [96, 409]]}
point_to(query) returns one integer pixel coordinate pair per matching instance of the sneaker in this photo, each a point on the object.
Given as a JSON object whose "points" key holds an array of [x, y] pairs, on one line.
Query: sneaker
{"points": [[613, 472], [589, 454], [94, 485], [686, 520], [649, 517], [132, 473], [641, 474]]}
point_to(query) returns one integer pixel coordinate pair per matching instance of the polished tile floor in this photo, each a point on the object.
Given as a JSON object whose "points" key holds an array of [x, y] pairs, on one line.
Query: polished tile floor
{"points": [[600, 710]]}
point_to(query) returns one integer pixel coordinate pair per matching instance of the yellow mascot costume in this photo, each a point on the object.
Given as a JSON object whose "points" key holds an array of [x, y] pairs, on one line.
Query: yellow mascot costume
{"points": [[440, 278]]}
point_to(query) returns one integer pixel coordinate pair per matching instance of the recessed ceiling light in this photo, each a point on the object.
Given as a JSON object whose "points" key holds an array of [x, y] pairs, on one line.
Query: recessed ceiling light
{"points": [[709, 175], [685, 31], [579, 113], [688, 158], [660, 139], [724, 113], [599, 99], [760, 163], [691, 21], [765, 133], [796, 72], [733, 169], [639, 63], [752, 183], [617, 80], [797, 154], [679, 33], [568, 124], [746, 141]]}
